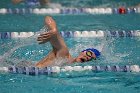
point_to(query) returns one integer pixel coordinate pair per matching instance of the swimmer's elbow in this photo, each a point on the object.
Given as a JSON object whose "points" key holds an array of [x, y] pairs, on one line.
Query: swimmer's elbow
{"points": [[38, 65]]}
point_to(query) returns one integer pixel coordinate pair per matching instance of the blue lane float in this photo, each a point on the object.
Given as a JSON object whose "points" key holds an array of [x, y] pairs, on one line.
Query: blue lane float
{"points": [[56, 69], [71, 11], [72, 34], [122, 33], [20, 11], [67, 33], [120, 10], [5, 35]]}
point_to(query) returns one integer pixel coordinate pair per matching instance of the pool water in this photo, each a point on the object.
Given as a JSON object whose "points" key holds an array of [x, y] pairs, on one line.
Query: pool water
{"points": [[79, 3], [115, 51], [81, 22]]}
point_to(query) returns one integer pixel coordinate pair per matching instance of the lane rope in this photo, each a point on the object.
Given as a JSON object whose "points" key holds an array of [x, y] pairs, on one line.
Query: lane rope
{"points": [[57, 69], [67, 34], [120, 10]]}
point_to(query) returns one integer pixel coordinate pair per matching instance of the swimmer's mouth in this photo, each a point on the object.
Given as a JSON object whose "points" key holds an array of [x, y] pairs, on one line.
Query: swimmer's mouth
{"points": [[82, 60]]}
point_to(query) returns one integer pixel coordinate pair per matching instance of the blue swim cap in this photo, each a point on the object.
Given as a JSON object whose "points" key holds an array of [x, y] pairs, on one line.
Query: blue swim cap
{"points": [[96, 52]]}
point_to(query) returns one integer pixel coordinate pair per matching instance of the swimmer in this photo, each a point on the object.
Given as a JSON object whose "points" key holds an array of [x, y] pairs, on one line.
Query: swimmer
{"points": [[42, 2], [60, 49]]}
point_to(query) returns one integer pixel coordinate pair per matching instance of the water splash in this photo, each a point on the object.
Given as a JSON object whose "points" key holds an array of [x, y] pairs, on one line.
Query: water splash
{"points": [[105, 45], [80, 44], [6, 60], [108, 51], [41, 31]]}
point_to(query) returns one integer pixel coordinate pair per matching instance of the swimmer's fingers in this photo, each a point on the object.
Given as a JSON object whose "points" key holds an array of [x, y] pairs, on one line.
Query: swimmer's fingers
{"points": [[40, 40], [46, 36], [43, 39], [50, 33], [43, 36]]}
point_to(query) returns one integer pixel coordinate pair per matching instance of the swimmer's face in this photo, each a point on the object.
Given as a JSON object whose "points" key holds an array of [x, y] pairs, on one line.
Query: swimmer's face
{"points": [[85, 56]]}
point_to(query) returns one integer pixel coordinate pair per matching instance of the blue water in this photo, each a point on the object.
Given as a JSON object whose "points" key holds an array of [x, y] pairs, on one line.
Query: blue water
{"points": [[78, 3], [115, 51], [26, 23]]}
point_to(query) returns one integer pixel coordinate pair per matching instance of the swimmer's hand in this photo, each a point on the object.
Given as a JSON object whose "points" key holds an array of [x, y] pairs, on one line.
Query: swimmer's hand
{"points": [[52, 31], [45, 37]]}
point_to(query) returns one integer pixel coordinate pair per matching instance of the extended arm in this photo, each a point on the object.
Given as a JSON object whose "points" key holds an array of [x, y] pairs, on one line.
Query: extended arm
{"points": [[59, 47], [46, 61]]}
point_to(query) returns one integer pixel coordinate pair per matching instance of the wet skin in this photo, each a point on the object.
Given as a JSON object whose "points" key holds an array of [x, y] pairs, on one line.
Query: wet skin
{"points": [[60, 49]]}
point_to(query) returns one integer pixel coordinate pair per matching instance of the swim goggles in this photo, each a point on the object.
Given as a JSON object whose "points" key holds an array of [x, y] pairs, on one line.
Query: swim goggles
{"points": [[89, 54]]}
